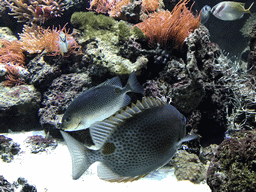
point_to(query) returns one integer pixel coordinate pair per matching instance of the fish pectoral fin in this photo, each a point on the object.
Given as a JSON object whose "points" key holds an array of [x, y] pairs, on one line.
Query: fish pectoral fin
{"points": [[80, 160]]}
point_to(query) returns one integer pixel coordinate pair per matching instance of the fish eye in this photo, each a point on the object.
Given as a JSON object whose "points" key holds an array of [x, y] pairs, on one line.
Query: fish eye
{"points": [[117, 90]]}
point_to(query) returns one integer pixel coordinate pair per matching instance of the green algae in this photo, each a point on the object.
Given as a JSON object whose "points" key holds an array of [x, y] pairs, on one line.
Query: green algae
{"points": [[101, 26], [138, 33], [92, 24]]}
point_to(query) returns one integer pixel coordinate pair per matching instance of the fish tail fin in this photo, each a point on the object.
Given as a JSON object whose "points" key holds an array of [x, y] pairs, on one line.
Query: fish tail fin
{"points": [[79, 154], [133, 84], [248, 10]]}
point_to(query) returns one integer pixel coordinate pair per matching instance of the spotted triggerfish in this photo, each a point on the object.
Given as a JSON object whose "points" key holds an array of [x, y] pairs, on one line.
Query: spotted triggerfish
{"points": [[230, 10], [131, 143], [98, 103]]}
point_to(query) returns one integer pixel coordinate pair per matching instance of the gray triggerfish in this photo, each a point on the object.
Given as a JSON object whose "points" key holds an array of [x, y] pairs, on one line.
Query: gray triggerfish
{"points": [[230, 10], [131, 143], [205, 13], [98, 103]]}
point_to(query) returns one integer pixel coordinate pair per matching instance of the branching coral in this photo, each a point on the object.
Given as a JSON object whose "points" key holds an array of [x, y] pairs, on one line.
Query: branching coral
{"points": [[166, 27], [35, 10]]}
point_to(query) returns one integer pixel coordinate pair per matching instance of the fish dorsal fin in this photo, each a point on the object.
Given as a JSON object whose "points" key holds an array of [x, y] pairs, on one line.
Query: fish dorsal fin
{"points": [[149, 102], [100, 131], [113, 81]]}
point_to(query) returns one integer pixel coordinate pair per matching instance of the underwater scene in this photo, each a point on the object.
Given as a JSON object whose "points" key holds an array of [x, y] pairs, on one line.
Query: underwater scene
{"points": [[125, 95]]}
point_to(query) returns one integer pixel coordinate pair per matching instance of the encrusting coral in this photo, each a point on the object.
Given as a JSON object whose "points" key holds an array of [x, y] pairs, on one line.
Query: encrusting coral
{"points": [[35, 10], [166, 27]]}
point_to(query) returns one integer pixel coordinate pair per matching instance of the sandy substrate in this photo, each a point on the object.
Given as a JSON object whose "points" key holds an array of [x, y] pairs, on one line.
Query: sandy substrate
{"points": [[51, 171]]}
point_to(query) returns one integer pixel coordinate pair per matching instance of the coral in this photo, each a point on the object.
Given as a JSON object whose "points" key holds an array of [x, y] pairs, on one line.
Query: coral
{"points": [[5, 186], [248, 26], [28, 188], [35, 39], [188, 167], [11, 55], [150, 5], [40, 143], [167, 28], [59, 95], [105, 38], [113, 8], [8, 148], [18, 105], [11, 52], [35, 10], [95, 25], [233, 167], [252, 55], [13, 77]]}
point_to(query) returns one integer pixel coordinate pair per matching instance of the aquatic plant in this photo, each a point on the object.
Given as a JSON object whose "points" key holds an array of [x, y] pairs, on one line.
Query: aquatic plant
{"points": [[173, 27], [35, 10]]}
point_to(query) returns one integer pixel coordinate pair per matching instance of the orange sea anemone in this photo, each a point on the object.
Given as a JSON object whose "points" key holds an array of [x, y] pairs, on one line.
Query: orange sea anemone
{"points": [[170, 28], [35, 39]]}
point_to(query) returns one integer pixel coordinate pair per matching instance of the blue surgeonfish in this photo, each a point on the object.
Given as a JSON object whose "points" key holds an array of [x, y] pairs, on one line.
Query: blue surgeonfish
{"points": [[230, 10], [98, 103], [131, 143], [205, 13]]}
